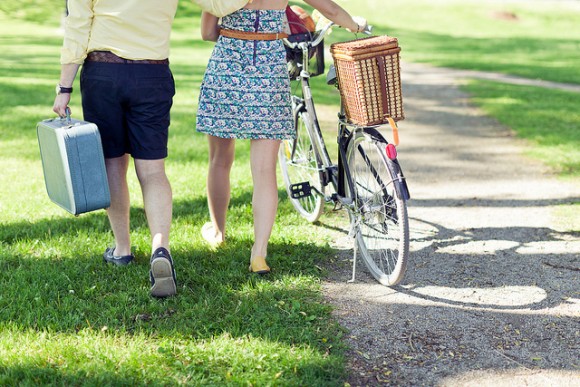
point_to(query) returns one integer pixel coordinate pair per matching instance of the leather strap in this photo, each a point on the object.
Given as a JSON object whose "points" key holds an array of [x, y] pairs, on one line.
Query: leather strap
{"points": [[383, 79], [395, 130], [247, 35]]}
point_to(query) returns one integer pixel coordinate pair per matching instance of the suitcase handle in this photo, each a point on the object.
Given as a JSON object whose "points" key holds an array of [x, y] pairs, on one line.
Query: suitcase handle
{"points": [[67, 112]]}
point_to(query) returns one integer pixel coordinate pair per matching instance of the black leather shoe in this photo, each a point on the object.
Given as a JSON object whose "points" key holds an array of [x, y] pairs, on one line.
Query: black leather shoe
{"points": [[162, 274], [121, 260]]}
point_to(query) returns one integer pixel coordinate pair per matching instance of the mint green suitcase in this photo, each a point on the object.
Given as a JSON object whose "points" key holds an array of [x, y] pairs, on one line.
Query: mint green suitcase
{"points": [[73, 164]]}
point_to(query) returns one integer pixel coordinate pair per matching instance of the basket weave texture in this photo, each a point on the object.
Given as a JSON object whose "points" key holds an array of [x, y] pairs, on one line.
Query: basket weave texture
{"points": [[369, 79]]}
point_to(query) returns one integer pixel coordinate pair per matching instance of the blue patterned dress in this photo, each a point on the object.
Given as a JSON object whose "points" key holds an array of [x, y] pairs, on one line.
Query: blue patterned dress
{"points": [[245, 91]]}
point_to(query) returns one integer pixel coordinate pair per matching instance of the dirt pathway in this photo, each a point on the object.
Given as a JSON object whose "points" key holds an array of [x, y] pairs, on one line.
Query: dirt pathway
{"points": [[492, 293]]}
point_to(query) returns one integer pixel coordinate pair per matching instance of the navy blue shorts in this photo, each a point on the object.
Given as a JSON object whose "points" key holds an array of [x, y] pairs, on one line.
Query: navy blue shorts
{"points": [[130, 105]]}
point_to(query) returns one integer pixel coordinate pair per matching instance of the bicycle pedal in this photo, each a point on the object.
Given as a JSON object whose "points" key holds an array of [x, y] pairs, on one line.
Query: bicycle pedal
{"points": [[300, 190]]}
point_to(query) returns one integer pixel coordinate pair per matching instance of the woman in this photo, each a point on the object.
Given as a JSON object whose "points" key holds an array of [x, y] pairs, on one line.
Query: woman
{"points": [[245, 94]]}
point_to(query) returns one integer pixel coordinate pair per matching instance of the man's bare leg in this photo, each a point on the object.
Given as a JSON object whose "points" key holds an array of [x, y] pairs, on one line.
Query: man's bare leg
{"points": [[118, 212], [157, 200]]}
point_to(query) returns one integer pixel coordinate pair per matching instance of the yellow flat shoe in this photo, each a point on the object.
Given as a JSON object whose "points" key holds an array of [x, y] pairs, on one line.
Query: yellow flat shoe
{"points": [[208, 234], [258, 265]]}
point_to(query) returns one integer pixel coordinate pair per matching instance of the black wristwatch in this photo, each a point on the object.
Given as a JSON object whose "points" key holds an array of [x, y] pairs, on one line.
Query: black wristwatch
{"points": [[63, 90]]}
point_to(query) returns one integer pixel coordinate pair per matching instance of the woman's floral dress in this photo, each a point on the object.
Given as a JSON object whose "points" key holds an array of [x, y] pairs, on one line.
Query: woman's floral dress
{"points": [[245, 91]]}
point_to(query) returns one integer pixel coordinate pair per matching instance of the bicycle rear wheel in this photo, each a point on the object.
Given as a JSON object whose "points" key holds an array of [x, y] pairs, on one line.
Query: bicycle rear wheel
{"points": [[380, 217], [299, 162]]}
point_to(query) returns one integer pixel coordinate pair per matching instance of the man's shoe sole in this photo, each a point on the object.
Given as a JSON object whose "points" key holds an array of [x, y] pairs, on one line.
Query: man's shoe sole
{"points": [[162, 273]]}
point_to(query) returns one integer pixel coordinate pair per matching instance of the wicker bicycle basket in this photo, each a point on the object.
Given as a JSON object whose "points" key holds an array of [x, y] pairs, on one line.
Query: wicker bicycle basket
{"points": [[369, 79]]}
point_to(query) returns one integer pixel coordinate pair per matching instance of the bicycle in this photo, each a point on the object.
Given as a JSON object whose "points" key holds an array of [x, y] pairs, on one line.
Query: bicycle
{"points": [[367, 179]]}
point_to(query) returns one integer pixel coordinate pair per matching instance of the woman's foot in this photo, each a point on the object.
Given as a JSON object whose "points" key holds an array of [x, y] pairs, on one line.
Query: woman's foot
{"points": [[211, 236], [258, 265]]}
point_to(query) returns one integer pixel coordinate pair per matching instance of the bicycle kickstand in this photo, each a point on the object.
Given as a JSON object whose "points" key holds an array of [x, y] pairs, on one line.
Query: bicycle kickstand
{"points": [[353, 265], [354, 252]]}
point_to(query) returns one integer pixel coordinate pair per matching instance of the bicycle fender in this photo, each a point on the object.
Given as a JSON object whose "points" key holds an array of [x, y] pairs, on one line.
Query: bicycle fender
{"points": [[399, 180]]}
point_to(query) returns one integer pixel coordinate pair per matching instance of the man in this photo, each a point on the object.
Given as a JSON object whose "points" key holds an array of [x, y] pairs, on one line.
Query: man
{"points": [[127, 90]]}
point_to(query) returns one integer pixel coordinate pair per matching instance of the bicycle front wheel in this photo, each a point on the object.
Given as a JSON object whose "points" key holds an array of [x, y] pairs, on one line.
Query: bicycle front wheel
{"points": [[379, 216], [299, 161]]}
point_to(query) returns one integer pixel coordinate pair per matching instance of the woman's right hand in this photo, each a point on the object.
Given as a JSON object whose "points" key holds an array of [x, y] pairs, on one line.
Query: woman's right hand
{"points": [[361, 24]]}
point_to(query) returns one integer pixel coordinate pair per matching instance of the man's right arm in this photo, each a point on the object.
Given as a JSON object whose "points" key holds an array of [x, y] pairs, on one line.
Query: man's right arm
{"points": [[68, 74], [78, 24]]}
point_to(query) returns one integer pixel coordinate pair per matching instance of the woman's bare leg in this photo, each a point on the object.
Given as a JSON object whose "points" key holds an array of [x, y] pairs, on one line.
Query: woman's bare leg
{"points": [[221, 159], [263, 158]]}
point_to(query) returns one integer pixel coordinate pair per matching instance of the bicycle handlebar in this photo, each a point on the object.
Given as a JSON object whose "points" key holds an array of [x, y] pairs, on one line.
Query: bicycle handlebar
{"points": [[321, 33], [320, 36]]}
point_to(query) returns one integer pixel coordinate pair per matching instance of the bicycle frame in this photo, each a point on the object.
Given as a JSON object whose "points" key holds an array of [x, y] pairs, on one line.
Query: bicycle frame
{"points": [[329, 173]]}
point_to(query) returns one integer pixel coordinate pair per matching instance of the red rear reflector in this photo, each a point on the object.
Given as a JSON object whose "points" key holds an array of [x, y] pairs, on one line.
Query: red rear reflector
{"points": [[391, 151]]}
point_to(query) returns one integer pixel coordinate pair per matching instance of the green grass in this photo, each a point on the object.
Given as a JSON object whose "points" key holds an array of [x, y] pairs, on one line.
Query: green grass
{"points": [[66, 318], [549, 119], [543, 42]]}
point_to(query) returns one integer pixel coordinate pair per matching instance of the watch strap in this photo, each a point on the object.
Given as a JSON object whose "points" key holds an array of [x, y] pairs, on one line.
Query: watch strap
{"points": [[64, 90]]}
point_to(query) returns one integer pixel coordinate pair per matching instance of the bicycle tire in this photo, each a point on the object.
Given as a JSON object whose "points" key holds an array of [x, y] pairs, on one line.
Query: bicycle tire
{"points": [[379, 215], [300, 166]]}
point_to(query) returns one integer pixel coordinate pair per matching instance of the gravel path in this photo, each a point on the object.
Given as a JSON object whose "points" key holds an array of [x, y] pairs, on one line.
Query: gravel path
{"points": [[492, 292]]}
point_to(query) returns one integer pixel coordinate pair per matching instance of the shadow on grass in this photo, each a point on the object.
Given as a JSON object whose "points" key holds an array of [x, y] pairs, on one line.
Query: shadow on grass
{"points": [[30, 372], [67, 290], [194, 210], [186, 368], [70, 291]]}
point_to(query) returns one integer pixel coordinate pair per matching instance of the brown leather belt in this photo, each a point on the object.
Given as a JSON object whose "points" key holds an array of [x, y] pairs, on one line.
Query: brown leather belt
{"points": [[109, 57], [248, 35]]}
